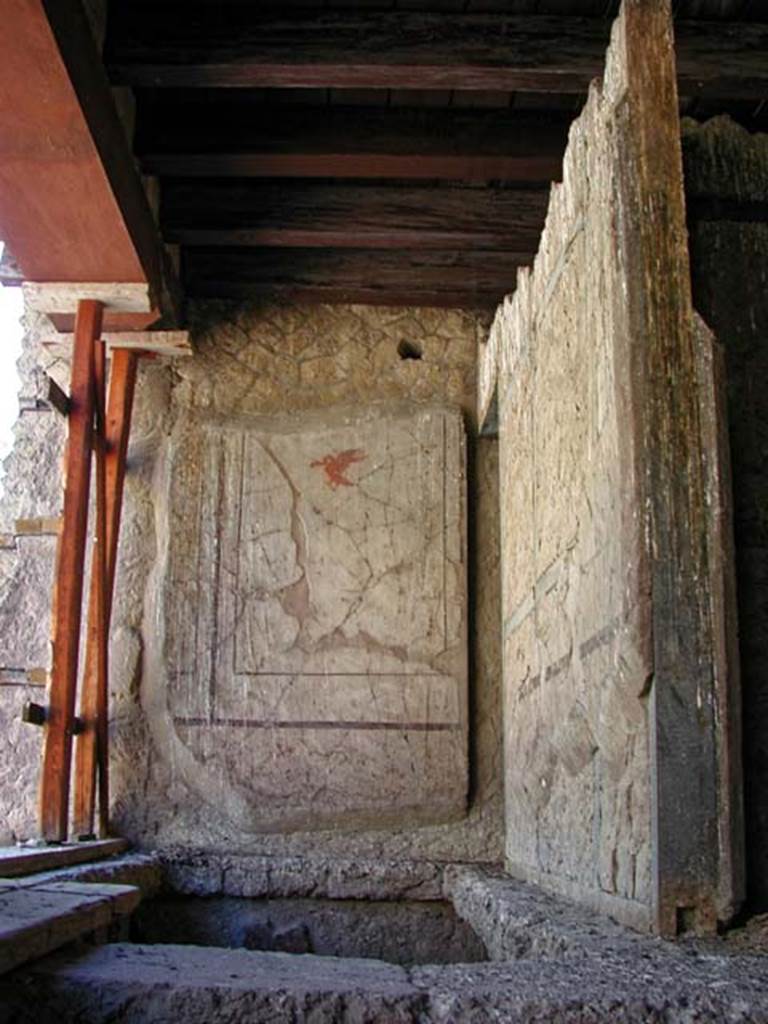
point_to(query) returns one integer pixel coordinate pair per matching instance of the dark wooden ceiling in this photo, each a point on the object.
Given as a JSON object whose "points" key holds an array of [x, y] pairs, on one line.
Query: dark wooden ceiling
{"points": [[390, 151]]}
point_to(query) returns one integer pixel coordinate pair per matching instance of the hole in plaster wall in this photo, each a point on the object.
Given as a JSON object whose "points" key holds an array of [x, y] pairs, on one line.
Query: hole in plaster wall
{"points": [[409, 350], [686, 920]]}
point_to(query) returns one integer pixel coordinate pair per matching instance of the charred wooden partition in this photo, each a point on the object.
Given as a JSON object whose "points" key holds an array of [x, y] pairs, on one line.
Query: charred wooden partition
{"points": [[726, 180], [621, 700]]}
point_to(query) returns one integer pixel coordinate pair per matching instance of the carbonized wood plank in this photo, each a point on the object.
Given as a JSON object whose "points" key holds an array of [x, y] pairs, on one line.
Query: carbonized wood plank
{"points": [[535, 53], [353, 50], [684, 789], [390, 277], [469, 167], [228, 133], [307, 215]]}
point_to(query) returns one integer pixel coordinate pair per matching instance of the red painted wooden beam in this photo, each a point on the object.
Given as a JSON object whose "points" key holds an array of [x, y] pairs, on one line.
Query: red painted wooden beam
{"points": [[68, 587], [72, 207], [92, 750]]}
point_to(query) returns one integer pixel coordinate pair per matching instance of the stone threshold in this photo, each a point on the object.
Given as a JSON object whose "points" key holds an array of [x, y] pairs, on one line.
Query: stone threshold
{"points": [[38, 917], [550, 960], [54, 895], [198, 985]]}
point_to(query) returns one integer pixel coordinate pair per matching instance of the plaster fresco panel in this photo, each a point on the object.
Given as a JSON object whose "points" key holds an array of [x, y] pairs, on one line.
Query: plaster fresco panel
{"points": [[316, 615]]}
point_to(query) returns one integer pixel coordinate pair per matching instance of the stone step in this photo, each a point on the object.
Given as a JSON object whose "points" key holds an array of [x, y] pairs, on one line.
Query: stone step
{"points": [[200, 985], [38, 916]]}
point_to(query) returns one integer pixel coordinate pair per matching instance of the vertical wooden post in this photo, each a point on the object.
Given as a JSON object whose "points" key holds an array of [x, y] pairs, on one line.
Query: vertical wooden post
{"points": [[68, 586], [100, 585], [92, 751]]}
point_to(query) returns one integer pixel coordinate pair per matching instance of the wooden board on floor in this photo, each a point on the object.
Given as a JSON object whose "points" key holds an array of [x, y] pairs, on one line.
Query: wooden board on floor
{"points": [[20, 860]]}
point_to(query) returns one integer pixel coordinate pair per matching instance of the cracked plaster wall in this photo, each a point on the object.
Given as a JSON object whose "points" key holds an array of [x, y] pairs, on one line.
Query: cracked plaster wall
{"points": [[264, 361], [307, 663]]}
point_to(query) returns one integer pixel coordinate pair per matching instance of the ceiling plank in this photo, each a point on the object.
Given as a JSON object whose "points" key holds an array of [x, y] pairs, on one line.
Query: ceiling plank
{"points": [[388, 217], [414, 166], [393, 278], [239, 47], [217, 135]]}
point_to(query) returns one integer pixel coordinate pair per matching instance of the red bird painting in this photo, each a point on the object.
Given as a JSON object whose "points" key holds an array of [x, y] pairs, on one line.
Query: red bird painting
{"points": [[336, 464]]}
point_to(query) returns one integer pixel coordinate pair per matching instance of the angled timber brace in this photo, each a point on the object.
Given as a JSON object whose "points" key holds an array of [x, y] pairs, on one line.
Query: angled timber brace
{"points": [[111, 448], [102, 425]]}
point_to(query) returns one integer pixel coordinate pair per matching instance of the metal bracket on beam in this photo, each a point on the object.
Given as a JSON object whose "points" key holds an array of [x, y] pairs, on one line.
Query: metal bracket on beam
{"points": [[37, 714], [34, 714]]}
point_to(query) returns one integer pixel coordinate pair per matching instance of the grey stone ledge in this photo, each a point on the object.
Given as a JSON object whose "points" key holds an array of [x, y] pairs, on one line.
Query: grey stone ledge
{"points": [[203, 874], [516, 920], [193, 984]]}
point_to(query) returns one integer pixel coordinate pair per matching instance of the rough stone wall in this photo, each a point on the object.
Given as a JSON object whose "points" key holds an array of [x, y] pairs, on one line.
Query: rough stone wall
{"points": [[270, 361], [31, 489], [726, 181], [611, 719]]}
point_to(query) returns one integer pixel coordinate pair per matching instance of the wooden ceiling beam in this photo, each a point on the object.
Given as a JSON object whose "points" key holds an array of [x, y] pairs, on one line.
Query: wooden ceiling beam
{"points": [[227, 135], [236, 46], [471, 279], [389, 217]]}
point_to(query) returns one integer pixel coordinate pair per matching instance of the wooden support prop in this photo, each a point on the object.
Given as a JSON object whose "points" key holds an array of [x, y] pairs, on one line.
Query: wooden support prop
{"points": [[162, 343], [68, 586], [92, 749], [41, 526], [100, 620], [94, 688]]}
